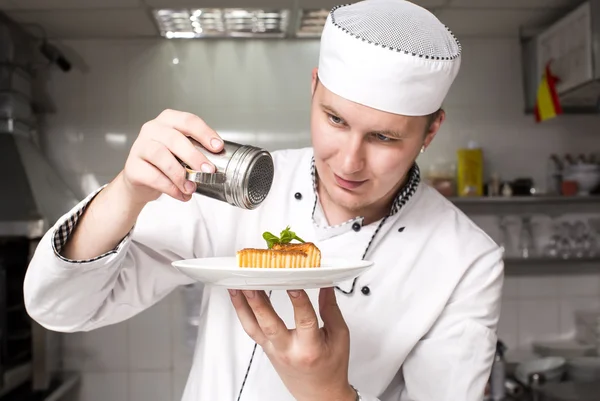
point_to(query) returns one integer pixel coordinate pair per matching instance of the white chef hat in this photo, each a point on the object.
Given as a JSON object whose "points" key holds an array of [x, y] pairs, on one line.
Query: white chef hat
{"points": [[391, 55]]}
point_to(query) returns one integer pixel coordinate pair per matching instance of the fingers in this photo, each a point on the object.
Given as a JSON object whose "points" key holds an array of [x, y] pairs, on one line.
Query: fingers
{"points": [[247, 318], [157, 154], [180, 146], [154, 165], [161, 146], [305, 317], [331, 314], [193, 126], [151, 177], [268, 326]]}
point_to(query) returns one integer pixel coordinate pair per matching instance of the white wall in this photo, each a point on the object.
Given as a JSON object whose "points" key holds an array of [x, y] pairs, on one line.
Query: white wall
{"points": [[258, 92]]}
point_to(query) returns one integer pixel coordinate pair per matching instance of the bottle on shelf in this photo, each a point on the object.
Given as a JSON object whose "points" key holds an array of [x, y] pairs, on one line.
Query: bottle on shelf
{"points": [[470, 170]]}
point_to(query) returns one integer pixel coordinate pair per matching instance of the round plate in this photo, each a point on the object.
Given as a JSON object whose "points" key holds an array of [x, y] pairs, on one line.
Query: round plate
{"points": [[224, 272]]}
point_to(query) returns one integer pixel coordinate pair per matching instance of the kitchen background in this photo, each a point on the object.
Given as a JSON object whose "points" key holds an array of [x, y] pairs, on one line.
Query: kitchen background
{"points": [[257, 91]]}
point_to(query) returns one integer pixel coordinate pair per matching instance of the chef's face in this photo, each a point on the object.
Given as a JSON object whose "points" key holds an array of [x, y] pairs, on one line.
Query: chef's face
{"points": [[363, 155]]}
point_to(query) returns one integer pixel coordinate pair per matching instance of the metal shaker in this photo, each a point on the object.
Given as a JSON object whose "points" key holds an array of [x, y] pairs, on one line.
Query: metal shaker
{"points": [[243, 175]]}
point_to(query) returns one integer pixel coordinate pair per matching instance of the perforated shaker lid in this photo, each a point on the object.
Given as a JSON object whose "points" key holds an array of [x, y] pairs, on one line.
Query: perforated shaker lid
{"points": [[250, 171]]}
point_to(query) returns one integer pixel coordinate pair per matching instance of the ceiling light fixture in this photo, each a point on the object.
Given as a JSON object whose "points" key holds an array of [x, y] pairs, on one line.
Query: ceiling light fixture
{"points": [[221, 23], [311, 23]]}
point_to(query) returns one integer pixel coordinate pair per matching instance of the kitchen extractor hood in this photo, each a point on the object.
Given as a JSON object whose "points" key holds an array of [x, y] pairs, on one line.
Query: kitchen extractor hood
{"points": [[257, 22], [571, 46], [32, 194]]}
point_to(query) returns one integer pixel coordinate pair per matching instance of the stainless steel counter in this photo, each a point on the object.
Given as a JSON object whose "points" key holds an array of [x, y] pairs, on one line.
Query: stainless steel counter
{"points": [[565, 391]]}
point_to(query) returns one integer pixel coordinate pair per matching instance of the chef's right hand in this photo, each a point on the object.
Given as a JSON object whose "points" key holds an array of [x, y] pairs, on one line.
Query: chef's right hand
{"points": [[152, 169]]}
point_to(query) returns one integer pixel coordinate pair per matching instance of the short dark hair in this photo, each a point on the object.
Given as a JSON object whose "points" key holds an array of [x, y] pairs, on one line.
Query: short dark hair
{"points": [[433, 116]]}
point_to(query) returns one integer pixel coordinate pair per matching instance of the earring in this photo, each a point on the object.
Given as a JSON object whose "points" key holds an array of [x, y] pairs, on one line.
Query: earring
{"points": [[423, 149]]}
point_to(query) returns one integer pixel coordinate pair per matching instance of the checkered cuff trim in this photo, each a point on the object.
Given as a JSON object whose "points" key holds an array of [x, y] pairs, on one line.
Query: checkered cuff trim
{"points": [[64, 231]]}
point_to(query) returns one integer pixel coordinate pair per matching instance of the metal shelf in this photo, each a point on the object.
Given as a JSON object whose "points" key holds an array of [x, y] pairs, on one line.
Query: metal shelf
{"points": [[554, 266], [520, 205]]}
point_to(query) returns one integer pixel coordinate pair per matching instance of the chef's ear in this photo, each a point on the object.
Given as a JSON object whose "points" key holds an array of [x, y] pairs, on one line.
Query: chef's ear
{"points": [[314, 81], [434, 123]]}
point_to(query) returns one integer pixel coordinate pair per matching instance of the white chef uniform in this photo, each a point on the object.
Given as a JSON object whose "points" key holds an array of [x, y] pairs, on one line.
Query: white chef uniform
{"points": [[424, 330], [422, 321]]}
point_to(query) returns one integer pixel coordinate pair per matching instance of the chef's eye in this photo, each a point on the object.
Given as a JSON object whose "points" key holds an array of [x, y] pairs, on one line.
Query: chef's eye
{"points": [[383, 138], [335, 119]]}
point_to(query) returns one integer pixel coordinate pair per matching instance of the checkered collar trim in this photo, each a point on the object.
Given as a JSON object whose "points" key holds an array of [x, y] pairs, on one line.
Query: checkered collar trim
{"points": [[403, 196]]}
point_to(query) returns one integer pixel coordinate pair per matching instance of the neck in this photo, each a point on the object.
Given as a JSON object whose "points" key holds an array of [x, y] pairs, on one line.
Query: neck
{"points": [[336, 214]]}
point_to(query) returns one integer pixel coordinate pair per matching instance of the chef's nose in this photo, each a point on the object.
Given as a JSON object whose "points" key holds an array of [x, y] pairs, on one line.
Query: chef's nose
{"points": [[353, 158]]}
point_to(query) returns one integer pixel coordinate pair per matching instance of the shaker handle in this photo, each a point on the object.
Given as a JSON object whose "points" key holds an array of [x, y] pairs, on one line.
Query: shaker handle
{"points": [[204, 178], [200, 177]]}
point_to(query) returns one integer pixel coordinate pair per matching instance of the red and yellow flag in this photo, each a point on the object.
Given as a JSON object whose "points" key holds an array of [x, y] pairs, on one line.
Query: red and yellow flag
{"points": [[547, 105]]}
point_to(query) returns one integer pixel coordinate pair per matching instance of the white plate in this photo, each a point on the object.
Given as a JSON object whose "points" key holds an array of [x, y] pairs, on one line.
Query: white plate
{"points": [[224, 272]]}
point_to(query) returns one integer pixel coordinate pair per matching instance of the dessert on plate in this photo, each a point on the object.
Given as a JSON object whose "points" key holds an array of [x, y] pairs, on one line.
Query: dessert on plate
{"points": [[281, 252]]}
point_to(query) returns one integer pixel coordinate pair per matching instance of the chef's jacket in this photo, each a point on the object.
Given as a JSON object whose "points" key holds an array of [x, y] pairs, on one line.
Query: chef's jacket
{"points": [[422, 320]]}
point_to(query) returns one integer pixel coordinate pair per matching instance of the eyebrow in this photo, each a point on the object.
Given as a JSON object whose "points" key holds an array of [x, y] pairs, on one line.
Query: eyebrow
{"points": [[390, 133], [329, 109]]}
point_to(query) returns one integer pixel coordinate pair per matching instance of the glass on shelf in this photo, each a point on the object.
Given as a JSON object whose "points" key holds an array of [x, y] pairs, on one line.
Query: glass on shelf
{"points": [[576, 239], [527, 243], [509, 234]]}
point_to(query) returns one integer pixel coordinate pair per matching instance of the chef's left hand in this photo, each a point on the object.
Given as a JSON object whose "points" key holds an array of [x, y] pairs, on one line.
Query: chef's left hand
{"points": [[311, 361]]}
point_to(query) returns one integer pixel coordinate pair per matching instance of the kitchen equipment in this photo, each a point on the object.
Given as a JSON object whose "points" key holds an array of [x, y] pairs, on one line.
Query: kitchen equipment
{"points": [[224, 272], [586, 175], [28, 352], [584, 369], [513, 388], [535, 381], [565, 349], [442, 177], [568, 391], [15, 79], [523, 187], [554, 175], [243, 175], [570, 44], [33, 198], [549, 369], [498, 375], [587, 327], [569, 188]]}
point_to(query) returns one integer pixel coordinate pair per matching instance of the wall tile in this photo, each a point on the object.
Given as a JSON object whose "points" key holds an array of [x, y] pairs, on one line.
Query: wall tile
{"points": [[152, 81], [106, 83], [587, 285], [532, 287], [179, 381], [183, 336], [538, 320], [151, 386], [567, 312], [508, 326], [510, 289], [104, 386], [150, 339], [101, 350]]}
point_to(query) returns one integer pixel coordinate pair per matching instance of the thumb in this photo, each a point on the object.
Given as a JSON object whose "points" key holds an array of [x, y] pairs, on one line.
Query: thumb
{"points": [[331, 314]]}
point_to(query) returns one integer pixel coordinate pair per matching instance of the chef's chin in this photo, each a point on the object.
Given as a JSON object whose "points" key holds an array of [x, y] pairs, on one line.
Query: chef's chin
{"points": [[350, 200]]}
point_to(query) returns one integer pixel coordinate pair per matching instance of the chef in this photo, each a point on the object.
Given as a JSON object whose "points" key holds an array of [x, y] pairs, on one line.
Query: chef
{"points": [[419, 325]]}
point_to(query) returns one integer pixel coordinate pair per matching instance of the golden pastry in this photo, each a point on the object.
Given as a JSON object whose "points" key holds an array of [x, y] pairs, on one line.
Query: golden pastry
{"points": [[281, 253]]}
